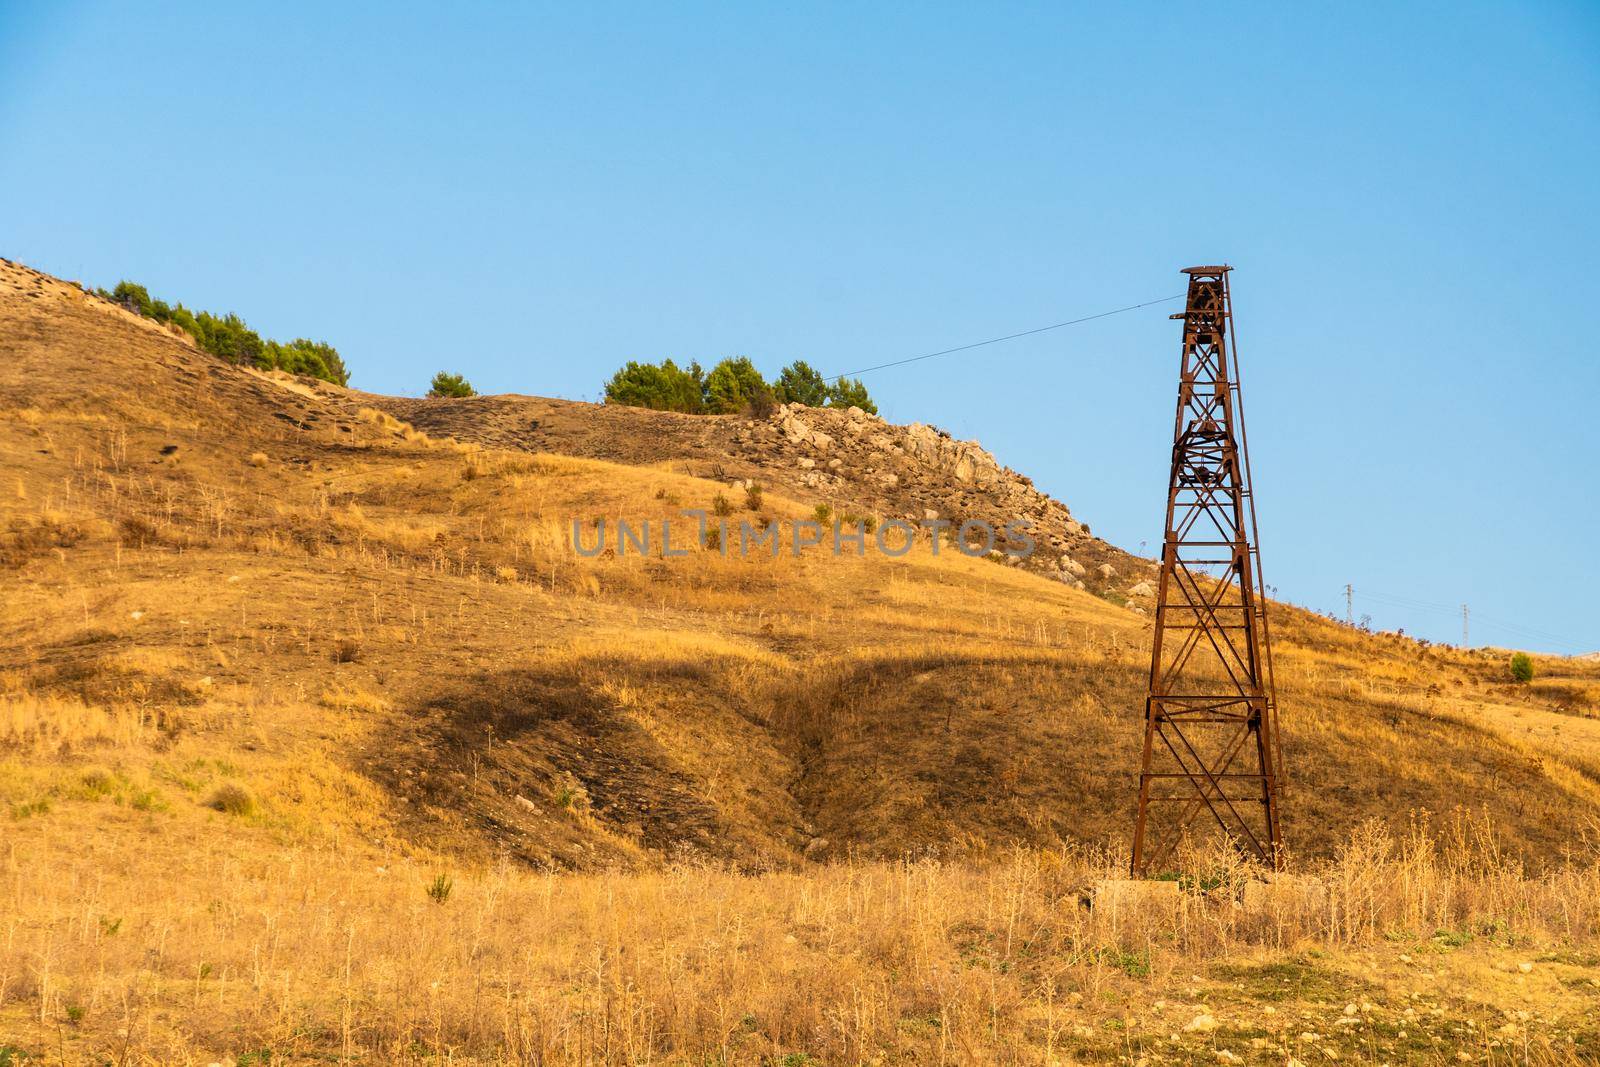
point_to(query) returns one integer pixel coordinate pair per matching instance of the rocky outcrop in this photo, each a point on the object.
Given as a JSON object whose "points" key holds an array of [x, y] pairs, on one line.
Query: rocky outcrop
{"points": [[918, 473]]}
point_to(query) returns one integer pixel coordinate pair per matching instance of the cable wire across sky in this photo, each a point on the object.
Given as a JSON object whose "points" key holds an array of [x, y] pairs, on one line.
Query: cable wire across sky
{"points": [[1008, 337]]}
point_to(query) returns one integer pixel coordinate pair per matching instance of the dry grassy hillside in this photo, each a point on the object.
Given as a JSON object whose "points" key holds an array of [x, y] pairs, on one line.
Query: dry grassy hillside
{"points": [[269, 656], [854, 462]]}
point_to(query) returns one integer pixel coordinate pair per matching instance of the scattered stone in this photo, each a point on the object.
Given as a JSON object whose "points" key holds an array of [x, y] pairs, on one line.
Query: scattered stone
{"points": [[1106, 571], [1142, 589], [815, 848], [1200, 1024], [805, 463]]}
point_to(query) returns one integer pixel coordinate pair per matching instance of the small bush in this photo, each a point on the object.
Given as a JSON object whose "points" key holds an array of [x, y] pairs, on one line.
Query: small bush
{"points": [[1521, 668], [867, 522], [733, 386], [721, 505], [760, 402], [232, 799], [851, 394], [798, 383], [823, 514], [346, 650], [752, 496], [439, 888], [31, 808], [98, 783], [451, 385], [258, 459]]}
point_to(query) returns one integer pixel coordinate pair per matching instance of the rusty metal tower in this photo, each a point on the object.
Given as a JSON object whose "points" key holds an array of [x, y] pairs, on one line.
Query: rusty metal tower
{"points": [[1210, 735]]}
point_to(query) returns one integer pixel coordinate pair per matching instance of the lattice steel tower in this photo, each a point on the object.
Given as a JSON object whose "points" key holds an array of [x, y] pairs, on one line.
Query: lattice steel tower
{"points": [[1210, 737]]}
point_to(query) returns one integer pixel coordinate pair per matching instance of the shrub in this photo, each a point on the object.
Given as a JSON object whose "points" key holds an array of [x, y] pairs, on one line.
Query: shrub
{"points": [[721, 505], [439, 889], [759, 404], [752, 496], [1521, 668], [451, 385], [822, 513], [733, 385], [798, 383], [232, 799], [661, 387], [136, 298], [98, 783], [867, 522], [850, 393]]}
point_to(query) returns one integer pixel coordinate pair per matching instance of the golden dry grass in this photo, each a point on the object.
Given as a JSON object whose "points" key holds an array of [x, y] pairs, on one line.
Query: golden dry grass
{"points": [[1389, 953]]}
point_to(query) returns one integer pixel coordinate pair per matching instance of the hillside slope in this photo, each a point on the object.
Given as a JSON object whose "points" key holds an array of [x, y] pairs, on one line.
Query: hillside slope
{"points": [[224, 585], [854, 462]]}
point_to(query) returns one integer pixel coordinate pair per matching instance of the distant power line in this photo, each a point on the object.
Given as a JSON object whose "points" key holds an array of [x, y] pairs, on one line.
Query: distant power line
{"points": [[1008, 337], [1407, 603]]}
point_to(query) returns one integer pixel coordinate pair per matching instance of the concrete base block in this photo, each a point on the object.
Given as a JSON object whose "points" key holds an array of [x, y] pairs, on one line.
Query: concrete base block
{"points": [[1124, 893], [1284, 893]]}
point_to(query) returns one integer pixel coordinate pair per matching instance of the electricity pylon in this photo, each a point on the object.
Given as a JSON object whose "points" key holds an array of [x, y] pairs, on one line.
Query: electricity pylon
{"points": [[1210, 736]]}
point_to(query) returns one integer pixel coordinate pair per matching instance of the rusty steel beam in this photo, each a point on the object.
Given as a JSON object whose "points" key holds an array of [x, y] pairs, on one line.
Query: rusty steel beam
{"points": [[1211, 650]]}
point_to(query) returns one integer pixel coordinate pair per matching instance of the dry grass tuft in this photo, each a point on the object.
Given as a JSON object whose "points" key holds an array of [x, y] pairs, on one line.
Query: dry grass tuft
{"points": [[232, 799]]}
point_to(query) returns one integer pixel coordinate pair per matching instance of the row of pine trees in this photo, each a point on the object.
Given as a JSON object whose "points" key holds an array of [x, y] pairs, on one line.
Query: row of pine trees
{"points": [[227, 337], [733, 386]]}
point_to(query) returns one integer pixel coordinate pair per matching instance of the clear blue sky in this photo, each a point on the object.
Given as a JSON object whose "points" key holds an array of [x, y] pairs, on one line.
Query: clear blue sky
{"points": [[532, 197]]}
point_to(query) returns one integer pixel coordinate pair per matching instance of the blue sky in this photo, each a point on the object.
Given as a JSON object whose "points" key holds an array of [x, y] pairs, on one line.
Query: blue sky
{"points": [[533, 196]]}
